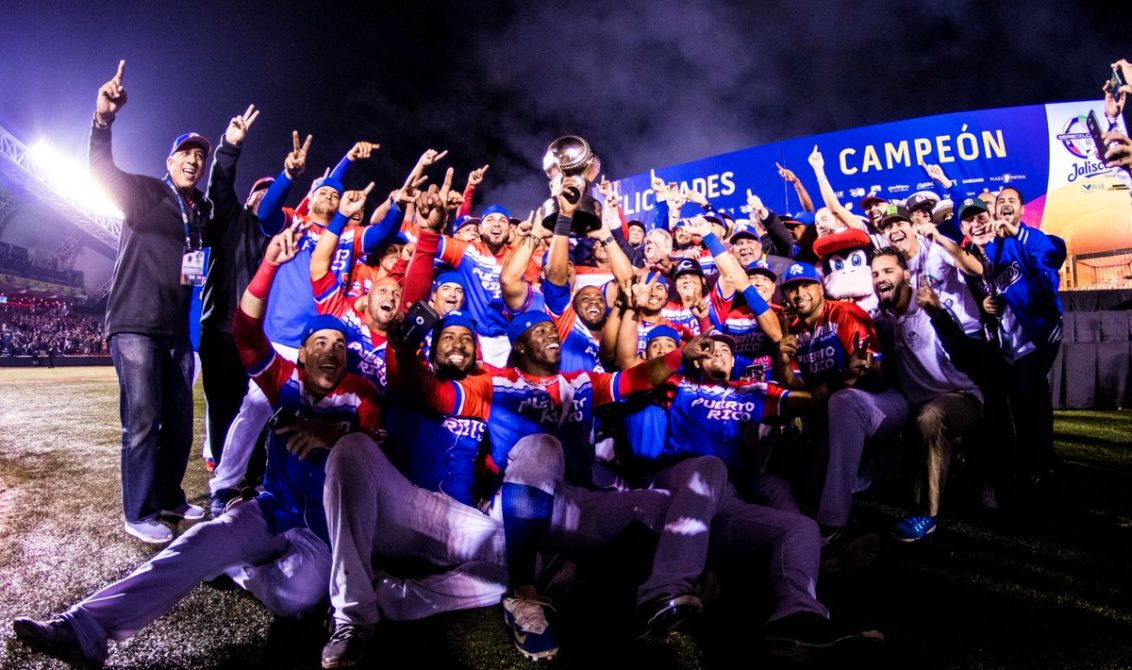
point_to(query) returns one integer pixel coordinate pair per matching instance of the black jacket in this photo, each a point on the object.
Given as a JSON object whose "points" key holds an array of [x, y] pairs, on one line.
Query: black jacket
{"points": [[146, 295], [236, 243]]}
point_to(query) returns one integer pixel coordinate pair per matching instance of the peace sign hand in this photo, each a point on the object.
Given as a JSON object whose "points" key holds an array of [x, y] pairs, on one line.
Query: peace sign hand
{"points": [[239, 125], [296, 161], [111, 96]]}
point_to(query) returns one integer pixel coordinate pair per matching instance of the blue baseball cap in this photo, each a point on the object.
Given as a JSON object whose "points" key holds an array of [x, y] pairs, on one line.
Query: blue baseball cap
{"points": [[457, 318], [324, 322], [800, 272], [191, 138], [524, 322], [495, 209], [663, 330], [463, 221], [657, 277], [449, 277], [805, 218], [761, 267], [327, 181]]}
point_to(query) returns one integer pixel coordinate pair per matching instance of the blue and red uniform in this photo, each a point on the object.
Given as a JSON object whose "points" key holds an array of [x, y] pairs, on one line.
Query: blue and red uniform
{"points": [[560, 405], [366, 348], [824, 350], [292, 496]]}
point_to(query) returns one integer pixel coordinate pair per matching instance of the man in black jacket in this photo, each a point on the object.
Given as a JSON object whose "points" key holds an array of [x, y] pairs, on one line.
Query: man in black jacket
{"points": [[160, 258], [236, 246]]}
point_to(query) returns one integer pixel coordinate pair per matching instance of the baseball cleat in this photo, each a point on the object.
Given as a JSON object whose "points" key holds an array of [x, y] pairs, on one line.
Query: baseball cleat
{"points": [[530, 631]]}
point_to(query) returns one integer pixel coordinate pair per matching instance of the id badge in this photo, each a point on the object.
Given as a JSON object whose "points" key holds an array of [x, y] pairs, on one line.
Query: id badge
{"points": [[192, 266]]}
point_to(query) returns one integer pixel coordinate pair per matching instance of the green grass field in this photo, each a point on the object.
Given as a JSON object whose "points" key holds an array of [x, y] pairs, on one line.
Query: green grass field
{"points": [[1044, 588]]}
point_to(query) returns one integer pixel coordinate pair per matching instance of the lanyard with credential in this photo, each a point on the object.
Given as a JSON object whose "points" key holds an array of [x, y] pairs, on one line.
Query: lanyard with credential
{"points": [[184, 213]]}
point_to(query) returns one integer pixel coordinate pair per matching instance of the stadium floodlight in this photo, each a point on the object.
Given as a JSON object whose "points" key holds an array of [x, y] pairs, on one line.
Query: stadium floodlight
{"points": [[73, 180]]}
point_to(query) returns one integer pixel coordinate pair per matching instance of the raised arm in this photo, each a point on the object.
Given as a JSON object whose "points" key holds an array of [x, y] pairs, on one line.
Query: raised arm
{"points": [[803, 195], [817, 162], [123, 186], [350, 204], [222, 178], [270, 211], [511, 278]]}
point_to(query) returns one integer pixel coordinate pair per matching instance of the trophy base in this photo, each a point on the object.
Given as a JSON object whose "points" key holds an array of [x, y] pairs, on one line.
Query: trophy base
{"points": [[587, 218]]}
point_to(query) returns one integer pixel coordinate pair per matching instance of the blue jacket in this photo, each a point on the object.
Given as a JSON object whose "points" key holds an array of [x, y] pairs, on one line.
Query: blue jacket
{"points": [[1024, 270]]}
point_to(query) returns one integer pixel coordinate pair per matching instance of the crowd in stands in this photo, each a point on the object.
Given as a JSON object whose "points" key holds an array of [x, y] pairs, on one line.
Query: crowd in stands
{"points": [[42, 328], [465, 391], [18, 261]]}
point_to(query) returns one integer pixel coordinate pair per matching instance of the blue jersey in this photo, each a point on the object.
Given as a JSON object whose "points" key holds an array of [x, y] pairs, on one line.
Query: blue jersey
{"points": [[291, 302], [480, 268], [366, 348], [561, 405], [580, 347], [292, 495], [708, 419]]}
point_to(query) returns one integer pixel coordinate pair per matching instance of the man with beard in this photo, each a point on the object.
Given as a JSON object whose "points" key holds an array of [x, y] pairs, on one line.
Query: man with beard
{"points": [[425, 508], [944, 402], [368, 317], [292, 304], [641, 312], [1020, 265], [701, 426], [581, 319], [834, 344], [934, 261], [275, 546], [535, 408]]}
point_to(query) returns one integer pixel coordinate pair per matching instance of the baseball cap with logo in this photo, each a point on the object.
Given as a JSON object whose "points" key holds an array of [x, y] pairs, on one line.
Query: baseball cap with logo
{"points": [[800, 272], [324, 322], [971, 207], [893, 213], [871, 198], [524, 322], [191, 138], [663, 330], [761, 267], [687, 266], [921, 199]]}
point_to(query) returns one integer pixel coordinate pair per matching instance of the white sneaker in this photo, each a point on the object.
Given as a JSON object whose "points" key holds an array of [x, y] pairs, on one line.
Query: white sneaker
{"points": [[150, 530], [187, 511]]}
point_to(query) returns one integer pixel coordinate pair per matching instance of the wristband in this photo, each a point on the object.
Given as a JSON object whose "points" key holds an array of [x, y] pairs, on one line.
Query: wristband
{"points": [[607, 240], [260, 285], [337, 224], [562, 225], [755, 301], [100, 125], [712, 244]]}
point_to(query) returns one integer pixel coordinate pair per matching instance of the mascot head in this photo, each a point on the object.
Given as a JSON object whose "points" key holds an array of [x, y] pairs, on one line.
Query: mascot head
{"points": [[845, 259]]}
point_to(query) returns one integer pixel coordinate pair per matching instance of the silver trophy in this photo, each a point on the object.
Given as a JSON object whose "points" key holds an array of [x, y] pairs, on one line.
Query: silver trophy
{"points": [[572, 159]]}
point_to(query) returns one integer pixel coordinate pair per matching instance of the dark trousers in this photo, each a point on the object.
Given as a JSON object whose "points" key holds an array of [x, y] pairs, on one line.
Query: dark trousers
{"points": [[225, 384], [155, 378], [1032, 409]]}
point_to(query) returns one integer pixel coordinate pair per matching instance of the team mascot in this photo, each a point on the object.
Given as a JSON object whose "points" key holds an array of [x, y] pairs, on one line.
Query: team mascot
{"points": [[845, 260]]}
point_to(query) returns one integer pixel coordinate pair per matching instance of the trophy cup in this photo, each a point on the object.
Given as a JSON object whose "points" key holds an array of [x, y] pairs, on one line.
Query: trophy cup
{"points": [[571, 158]]}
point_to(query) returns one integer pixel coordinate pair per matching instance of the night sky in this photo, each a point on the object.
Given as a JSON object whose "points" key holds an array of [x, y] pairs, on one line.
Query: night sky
{"points": [[649, 84]]}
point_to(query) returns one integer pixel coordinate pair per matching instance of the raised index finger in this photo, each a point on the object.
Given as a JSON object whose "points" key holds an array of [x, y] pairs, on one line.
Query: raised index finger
{"points": [[121, 71], [307, 144], [295, 139]]}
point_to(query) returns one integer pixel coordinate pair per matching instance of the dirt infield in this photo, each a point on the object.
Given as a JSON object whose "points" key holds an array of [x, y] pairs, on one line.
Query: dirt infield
{"points": [[1048, 587]]}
